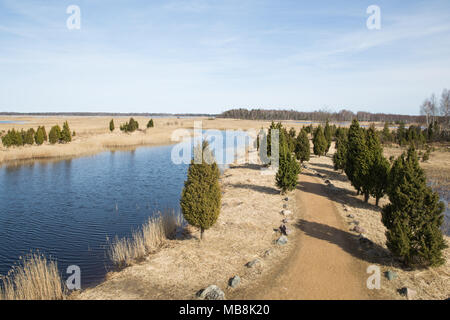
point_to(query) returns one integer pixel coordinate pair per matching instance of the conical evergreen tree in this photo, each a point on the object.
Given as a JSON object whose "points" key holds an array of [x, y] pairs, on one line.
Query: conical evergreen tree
{"points": [[273, 126], [377, 179], [54, 134], [357, 164], [201, 196], [414, 217], [340, 156], [291, 139], [29, 136], [44, 132], [386, 135], [320, 142], [328, 136], [150, 124], [111, 125], [39, 136], [66, 134], [288, 170], [302, 147]]}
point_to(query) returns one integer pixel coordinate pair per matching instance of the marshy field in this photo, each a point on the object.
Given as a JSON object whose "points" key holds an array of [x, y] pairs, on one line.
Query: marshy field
{"points": [[108, 202]]}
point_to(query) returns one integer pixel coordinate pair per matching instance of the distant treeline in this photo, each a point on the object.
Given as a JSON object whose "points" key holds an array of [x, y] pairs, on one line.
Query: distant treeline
{"points": [[99, 114], [343, 115]]}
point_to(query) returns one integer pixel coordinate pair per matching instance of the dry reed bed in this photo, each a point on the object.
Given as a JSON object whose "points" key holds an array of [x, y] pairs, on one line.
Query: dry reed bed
{"points": [[34, 278], [151, 236], [432, 283]]}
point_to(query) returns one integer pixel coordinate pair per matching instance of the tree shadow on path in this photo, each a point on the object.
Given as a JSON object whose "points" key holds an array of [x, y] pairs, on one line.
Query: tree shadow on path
{"points": [[360, 248]]}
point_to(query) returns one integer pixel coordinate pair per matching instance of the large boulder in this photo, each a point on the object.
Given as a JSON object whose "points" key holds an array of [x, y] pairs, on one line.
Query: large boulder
{"points": [[212, 292]]}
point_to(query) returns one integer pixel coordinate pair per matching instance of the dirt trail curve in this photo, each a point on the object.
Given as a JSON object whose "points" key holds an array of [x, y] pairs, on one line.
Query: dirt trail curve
{"points": [[322, 266]]}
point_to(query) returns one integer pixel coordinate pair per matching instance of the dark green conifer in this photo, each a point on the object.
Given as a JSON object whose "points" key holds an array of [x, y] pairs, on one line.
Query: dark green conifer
{"points": [[29, 136], [201, 196], [39, 136], [66, 135], [377, 178], [357, 164], [302, 146], [55, 134], [414, 216], [320, 142], [340, 156], [328, 136], [288, 169]]}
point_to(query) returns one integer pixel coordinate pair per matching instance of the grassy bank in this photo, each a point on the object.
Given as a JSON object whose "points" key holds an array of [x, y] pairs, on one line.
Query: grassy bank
{"points": [[151, 236]]}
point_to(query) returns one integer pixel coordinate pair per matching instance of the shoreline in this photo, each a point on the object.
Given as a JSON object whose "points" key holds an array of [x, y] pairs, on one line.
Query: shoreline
{"points": [[93, 135], [185, 265]]}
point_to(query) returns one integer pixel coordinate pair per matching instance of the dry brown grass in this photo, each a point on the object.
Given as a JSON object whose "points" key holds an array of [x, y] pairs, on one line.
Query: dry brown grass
{"points": [[35, 278], [125, 251]]}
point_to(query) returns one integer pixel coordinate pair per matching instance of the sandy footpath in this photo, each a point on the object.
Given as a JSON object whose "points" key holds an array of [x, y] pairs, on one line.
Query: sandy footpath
{"points": [[431, 283], [322, 266]]}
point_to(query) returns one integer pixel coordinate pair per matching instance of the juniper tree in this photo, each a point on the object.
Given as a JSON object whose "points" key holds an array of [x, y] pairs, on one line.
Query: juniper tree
{"points": [[66, 135], [44, 132], [29, 136], [7, 139], [130, 126], [291, 139], [386, 135], [376, 180], [357, 164], [111, 125], [414, 216], [320, 142], [201, 196], [55, 134], [39, 136], [302, 147], [401, 134], [288, 169], [273, 126], [150, 124], [328, 136], [340, 156]]}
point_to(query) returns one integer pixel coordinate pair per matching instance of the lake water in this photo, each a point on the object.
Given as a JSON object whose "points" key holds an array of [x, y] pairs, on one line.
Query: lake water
{"points": [[67, 209], [12, 122]]}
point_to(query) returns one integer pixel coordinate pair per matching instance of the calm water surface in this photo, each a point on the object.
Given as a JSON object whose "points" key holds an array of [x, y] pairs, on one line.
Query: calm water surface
{"points": [[67, 209]]}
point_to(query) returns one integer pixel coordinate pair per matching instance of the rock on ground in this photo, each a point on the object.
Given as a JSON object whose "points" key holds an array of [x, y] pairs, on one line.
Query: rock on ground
{"points": [[253, 263], [235, 281], [408, 292], [212, 292], [282, 240]]}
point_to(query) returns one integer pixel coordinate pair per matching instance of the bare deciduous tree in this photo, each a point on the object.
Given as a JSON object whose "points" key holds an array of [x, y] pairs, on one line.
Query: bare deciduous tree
{"points": [[429, 108], [445, 105]]}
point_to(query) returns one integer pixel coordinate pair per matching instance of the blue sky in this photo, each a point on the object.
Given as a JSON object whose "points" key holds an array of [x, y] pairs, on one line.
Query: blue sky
{"points": [[206, 56]]}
